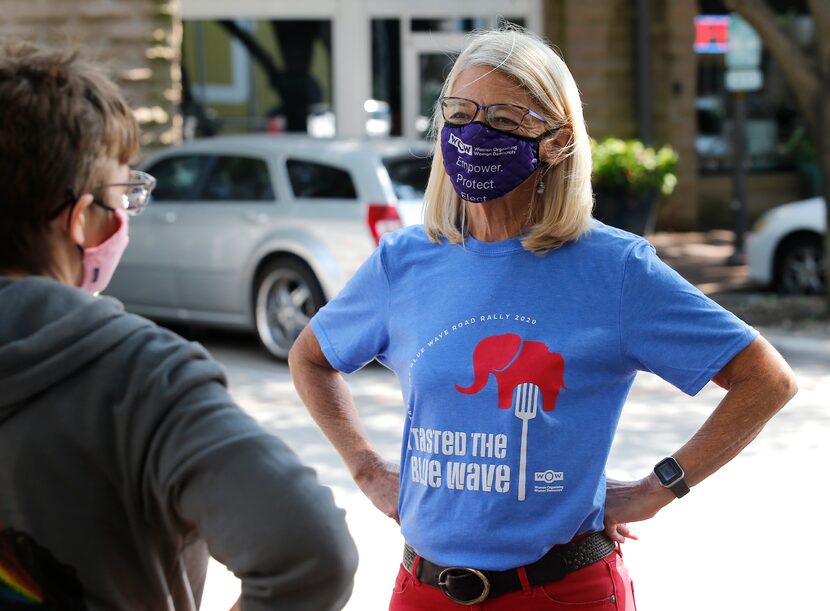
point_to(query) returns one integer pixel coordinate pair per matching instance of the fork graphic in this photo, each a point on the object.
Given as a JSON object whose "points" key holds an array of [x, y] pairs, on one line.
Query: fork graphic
{"points": [[526, 400]]}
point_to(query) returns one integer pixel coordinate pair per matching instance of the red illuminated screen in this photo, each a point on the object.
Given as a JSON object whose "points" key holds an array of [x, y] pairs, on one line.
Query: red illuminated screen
{"points": [[711, 33]]}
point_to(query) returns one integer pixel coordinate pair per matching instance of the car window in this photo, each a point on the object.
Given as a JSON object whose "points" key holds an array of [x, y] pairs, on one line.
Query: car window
{"points": [[319, 181], [238, 179], [409, 175], [177, 177]]}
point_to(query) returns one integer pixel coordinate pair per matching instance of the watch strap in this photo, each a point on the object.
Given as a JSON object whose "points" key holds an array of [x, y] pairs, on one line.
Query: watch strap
{"points": [[680, 488]]}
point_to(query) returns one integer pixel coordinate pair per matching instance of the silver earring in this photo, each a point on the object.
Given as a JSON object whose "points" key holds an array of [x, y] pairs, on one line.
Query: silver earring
{"points": [[540, 187]]}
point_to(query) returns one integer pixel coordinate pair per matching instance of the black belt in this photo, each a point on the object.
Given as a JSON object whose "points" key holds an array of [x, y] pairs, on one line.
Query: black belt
{"points": [[468, 586]]}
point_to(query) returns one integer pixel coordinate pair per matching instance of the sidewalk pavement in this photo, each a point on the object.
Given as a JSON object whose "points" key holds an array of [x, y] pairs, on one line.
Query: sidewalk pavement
{"points": [[700, 257]]}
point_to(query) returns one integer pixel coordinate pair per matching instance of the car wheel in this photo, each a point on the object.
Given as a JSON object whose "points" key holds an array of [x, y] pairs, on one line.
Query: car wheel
{"points": [[799, 266], [286, 296]]}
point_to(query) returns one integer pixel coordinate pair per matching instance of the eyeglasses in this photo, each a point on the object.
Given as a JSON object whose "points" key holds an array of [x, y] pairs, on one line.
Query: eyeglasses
{"points": [[503, 117], [133, 201], [137, 196]]}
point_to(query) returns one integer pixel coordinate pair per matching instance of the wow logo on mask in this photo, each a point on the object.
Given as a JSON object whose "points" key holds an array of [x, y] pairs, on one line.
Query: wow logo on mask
{"points": [[460, 145]]}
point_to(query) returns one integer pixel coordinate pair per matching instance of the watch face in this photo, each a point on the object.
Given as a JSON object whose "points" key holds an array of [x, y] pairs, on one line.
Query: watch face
{"points": [[668, 471]]}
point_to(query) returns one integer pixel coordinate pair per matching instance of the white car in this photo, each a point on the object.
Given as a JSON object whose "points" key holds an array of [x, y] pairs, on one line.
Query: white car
{"points": [[257, 232], [785, 247]]}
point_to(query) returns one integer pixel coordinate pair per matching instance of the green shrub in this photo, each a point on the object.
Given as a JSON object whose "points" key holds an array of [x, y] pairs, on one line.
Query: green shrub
{"points": [[629, 165]]}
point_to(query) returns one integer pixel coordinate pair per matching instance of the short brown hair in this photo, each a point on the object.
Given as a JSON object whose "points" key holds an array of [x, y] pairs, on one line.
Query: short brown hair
{"points": [[61, 121]]}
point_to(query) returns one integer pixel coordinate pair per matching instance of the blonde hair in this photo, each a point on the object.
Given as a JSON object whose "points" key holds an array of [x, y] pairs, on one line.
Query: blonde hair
{"points": [[563, 212]]}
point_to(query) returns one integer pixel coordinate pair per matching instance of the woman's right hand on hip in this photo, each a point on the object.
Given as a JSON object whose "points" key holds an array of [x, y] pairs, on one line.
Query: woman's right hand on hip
{"points": [[380, 481]]}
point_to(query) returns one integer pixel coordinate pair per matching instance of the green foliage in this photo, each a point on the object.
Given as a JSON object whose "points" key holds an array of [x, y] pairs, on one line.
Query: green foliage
{"points": [[802, 147], [631, 166]]}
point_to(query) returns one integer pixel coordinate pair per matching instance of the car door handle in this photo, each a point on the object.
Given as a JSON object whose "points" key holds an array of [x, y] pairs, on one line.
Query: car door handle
{"points": [[258, 218]]}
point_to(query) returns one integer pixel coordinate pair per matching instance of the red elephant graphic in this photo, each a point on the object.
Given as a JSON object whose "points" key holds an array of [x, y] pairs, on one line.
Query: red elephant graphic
{"points": [[514, 361]]}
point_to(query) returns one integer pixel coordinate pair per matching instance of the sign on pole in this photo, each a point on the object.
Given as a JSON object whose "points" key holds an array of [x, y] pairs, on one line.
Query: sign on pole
{"points": [[743, 60], [743, 57], [751, 79]]}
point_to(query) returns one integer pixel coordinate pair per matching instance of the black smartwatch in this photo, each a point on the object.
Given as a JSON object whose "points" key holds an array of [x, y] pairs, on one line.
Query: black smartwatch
{"points": [[671, 476]]}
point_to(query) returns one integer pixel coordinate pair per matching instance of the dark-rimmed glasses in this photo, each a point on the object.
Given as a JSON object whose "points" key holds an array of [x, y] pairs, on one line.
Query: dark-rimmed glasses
{"points": [[503, 117], [133, 201]]}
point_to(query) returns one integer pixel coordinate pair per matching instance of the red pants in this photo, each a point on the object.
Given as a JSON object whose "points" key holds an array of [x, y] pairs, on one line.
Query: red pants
{"points": [[602, 586]]}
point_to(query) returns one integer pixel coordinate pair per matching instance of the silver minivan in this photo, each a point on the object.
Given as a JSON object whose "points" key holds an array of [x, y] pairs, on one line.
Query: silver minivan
{"points": [[258, 231]]}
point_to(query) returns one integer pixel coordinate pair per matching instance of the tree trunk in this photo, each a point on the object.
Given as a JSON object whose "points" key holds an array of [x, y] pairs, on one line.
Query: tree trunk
{"points": [[823, 142], [258, 54], [820, 10], [297, 90]]}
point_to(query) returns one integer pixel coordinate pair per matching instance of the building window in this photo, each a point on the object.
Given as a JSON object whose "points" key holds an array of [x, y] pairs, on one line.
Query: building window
{"points": [[255, 75], [386, 69], [775, 132], [772, 119]]}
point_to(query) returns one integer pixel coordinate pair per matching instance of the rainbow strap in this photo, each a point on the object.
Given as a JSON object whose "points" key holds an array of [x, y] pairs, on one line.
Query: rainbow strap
{"points": [[15, 584]]}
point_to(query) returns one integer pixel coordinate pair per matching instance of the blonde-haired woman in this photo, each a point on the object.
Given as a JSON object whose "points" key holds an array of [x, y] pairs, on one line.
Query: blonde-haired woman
{"points": [[516, 324]]}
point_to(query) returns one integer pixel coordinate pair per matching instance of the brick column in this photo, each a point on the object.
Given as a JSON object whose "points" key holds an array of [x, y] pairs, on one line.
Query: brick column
{"points": [[137, 41], [674, 77], [597, 41]]}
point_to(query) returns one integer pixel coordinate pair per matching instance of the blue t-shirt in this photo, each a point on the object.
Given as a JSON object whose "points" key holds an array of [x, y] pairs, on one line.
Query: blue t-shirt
{"points": [[514, 368]]}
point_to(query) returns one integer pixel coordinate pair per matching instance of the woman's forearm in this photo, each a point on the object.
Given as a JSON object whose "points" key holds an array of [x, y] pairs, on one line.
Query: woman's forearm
{"points": [[759, 383], [329, 401]]}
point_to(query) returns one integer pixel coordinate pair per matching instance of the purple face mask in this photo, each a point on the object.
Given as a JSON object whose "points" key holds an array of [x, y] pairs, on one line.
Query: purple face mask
{"points": [[484, 163]]}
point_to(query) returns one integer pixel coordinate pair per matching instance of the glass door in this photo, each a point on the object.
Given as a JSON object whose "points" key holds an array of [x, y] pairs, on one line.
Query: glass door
{"points": [[428, 58], [432, 39]]}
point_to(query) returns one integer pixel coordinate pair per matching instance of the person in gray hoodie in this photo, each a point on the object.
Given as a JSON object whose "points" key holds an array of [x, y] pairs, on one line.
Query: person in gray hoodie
{"points": [[123, 460]]}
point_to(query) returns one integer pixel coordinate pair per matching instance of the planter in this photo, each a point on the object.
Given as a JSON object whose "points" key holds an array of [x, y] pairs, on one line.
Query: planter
{"points": [[627, 176], [634, 212]]}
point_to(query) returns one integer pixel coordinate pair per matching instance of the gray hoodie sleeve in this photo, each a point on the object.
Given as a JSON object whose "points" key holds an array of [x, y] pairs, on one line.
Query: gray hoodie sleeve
{"points": [[204, 464]]}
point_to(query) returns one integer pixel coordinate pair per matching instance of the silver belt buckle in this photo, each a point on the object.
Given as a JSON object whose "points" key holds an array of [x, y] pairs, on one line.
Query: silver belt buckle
{"points": [[442, 584]]}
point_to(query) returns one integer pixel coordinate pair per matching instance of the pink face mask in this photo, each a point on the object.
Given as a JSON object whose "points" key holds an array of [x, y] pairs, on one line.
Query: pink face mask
{"points": [[100, 261]]}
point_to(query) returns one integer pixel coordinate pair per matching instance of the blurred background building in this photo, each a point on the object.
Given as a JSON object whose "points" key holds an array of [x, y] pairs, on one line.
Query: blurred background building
{"points": [[138, 40], [358, 67]]}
